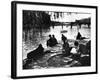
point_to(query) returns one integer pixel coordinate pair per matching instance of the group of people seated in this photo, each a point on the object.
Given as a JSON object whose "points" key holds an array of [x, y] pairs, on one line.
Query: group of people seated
{"points": [[52, 41], [76, 51], [66, 48], [82, 50], [39, 51]]}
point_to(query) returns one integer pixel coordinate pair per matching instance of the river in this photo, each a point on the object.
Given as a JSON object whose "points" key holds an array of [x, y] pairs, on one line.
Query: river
{"points": [[34, 36]]}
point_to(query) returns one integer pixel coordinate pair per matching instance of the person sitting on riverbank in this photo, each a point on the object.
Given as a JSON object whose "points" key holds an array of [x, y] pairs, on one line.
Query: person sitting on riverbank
{"points": [[75, 51], [79, 36], [82, 49], [36, 54], [49, 42], [66, 48], [52, 41], [63, 38]]}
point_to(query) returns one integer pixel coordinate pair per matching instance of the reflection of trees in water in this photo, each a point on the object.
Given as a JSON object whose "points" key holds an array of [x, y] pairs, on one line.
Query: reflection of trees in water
{"points": [[34, 35]]}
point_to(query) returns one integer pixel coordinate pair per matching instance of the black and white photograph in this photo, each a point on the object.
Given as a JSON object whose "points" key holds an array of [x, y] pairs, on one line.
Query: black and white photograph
{"points": [[54, 39]]}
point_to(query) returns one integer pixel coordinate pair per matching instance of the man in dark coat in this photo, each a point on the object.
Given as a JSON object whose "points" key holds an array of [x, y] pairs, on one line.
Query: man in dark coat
{"points": [[36, 54], [81, 48], [66, 48], [49, 41], [79, 36], [54, 40], [63, 38]]}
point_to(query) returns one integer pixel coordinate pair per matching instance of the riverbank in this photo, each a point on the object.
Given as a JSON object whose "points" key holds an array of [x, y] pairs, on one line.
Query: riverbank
{"points": [[54, 57]]}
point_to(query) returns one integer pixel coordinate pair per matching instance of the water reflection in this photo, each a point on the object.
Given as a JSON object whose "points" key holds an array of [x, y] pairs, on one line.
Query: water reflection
{"points": [[32, 37]]}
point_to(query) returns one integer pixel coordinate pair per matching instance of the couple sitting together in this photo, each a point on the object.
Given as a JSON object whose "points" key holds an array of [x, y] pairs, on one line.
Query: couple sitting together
{"points": [[52, 41]]}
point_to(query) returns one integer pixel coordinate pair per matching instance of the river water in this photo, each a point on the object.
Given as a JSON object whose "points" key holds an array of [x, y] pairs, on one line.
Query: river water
{"points": [[34, 36]]}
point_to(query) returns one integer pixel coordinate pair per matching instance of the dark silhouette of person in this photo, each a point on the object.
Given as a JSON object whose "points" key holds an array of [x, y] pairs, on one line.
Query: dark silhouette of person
{"points": [[63, 38], [79, 36], [49, 42], [86, 60], [36, 54], [81, 48], [66, 48], [54, 40], [77, 54]]}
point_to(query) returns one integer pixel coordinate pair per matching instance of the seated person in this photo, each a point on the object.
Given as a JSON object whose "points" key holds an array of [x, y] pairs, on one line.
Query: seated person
{"points": [[37, 53], [66, 48], [54, 40], [49, 42], [63, 38], [79, 36], [75, 51], [80, 48]]}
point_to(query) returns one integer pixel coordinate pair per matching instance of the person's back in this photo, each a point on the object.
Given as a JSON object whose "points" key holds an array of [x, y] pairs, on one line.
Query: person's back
{"points": [[54, 40], [49, 42], [75, 52], [66, 48], [63, 38], [36, 54], [40, 49], [78, 36]]}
